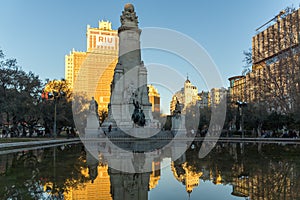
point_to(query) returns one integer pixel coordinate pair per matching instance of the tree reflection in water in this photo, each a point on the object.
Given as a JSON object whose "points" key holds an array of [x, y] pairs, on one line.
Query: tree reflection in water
{"points": [[254, 171], [257, 171], [31, 174]]}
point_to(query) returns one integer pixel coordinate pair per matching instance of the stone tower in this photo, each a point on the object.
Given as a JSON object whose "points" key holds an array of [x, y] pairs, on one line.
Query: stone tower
{"points": [[129, 85]]}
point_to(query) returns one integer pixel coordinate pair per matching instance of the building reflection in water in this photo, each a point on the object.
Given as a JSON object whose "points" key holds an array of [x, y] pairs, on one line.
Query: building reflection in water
{"points": [[262, 172], [97, 188], [251, 172], [107, 183]]}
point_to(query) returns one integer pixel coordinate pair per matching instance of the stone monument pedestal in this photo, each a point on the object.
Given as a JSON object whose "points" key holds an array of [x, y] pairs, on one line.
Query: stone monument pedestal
{"points": [[178, 125], [92, 126], [141, 132]]}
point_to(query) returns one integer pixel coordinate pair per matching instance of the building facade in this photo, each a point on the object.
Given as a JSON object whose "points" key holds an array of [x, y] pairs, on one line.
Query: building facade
{"points": [[73, 61], [274, 78], [154, 98], [204, 101], [216, 96], [91, 72], [187, 96], [237, 88]]}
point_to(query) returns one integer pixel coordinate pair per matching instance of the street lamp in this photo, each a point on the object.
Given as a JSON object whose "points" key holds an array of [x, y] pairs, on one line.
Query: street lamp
{"points": [[55, 96], [240, 105]]}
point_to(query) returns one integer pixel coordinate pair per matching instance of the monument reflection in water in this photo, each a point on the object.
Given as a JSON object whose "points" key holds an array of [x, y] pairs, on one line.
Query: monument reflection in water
{"points": [[230, 171]]}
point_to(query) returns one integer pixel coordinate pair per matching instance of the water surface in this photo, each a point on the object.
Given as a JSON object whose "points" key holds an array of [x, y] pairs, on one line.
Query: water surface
{"points": [[229, 171]]}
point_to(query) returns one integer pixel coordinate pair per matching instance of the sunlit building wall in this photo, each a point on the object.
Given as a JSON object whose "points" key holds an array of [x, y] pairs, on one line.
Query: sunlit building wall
{"points": [[281, 36], [187, 96], [237, 88], [154, 98], [91, 72], [73, 61], [275, 58], [190, 93]]}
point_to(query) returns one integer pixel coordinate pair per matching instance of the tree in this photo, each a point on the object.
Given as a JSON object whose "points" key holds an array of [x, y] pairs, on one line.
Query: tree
{"points": [[61, 96], [30, 171], [231, 117], [192, 117], [103, 114], [273, 83], [80, 110], [204, 119], [255, 116], [19, 94]]}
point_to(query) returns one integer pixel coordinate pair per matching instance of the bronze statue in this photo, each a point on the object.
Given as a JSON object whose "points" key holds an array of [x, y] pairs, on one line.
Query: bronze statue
{"points": [[128, 15], [177, 111], [138, 116]]}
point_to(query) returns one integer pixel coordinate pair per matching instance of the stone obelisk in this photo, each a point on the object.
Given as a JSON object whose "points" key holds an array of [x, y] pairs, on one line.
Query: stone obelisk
{"points": [[129, 90]]}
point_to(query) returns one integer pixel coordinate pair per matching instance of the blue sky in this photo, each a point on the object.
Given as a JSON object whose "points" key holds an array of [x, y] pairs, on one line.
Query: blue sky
{"points": [[40, 33]]}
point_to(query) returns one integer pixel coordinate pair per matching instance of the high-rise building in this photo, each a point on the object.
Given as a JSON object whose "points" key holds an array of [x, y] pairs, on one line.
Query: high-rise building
{"points": [[73, 62], [91, 72], [274, 78]]}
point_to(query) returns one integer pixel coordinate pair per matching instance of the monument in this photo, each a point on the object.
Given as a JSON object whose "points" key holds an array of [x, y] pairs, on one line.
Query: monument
{"points": [[129, 106], [178, 121], [92, 124]]}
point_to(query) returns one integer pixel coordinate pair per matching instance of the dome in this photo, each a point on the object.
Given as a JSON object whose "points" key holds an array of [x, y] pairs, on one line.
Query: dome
{"points": [[129, 7], [188, 81]]}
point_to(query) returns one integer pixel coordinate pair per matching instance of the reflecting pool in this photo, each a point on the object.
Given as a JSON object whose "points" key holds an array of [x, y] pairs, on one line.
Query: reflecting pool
{"points": [[232, 170]]}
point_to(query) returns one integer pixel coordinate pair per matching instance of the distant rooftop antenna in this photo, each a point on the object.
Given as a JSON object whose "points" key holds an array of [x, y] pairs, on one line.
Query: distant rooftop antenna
{"points": [[277, 16]]}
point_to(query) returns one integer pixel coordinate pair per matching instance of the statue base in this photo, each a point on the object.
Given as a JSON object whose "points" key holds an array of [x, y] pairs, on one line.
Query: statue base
{"points": [[178, 125], [92, 126]]}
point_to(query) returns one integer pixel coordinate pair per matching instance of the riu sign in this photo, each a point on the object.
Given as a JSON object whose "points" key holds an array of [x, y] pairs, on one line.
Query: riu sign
{"points": [[105, 40]]}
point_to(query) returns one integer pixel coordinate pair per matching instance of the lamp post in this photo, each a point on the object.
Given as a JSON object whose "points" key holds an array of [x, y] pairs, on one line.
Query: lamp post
{"points": [[240, 105], [55, 96], [54, 118]]}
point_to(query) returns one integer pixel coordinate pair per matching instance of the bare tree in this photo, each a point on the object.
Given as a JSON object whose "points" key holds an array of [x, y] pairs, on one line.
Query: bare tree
{"points": [[248, 62]]}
